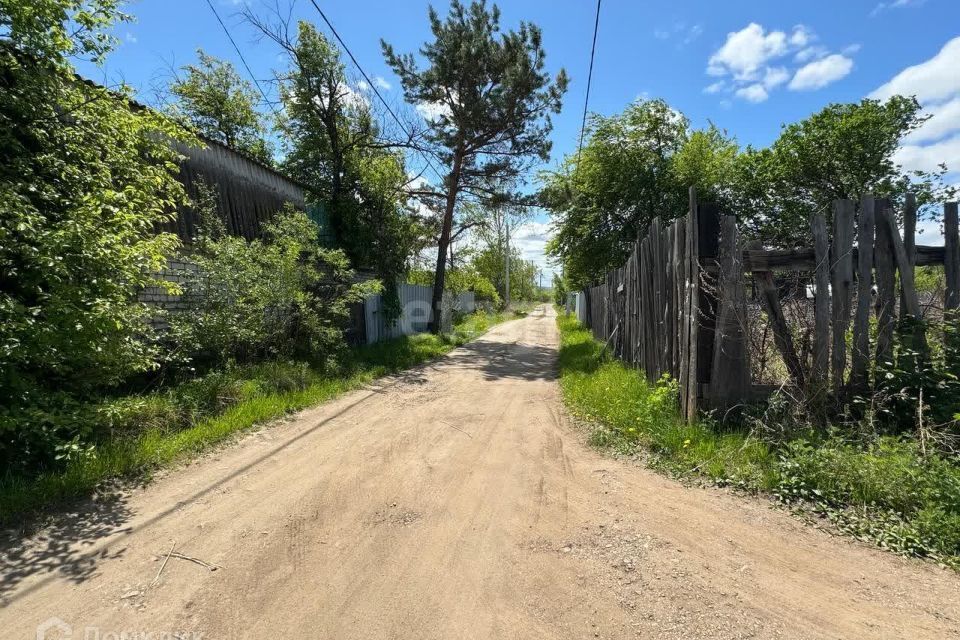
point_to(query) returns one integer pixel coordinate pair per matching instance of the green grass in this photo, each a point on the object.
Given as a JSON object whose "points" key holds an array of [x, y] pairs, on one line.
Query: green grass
{"points": [[885, 490], [144, 433], [631, 414]]}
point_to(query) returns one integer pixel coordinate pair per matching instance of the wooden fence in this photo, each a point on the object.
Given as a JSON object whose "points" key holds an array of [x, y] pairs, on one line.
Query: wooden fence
{"points": [[679, 307]]}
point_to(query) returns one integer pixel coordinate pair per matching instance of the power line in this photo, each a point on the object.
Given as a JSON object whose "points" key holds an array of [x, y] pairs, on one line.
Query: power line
{"points": [[371, 84], [242, 59], [586, 100]]}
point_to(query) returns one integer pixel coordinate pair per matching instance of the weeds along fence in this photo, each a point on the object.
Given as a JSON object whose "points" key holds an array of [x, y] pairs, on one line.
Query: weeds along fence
{"points": [[680, 306]]}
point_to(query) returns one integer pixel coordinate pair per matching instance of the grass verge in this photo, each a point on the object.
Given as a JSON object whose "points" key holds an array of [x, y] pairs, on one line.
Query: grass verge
{"points": [[884, 490], [146, 432]]}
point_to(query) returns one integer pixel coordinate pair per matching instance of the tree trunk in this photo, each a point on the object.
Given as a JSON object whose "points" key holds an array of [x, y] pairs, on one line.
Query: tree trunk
{"points": [[439, 278]]}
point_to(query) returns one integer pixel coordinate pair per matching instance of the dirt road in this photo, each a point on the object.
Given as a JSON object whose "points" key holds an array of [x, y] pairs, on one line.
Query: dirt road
{"points": [[455, 501]]}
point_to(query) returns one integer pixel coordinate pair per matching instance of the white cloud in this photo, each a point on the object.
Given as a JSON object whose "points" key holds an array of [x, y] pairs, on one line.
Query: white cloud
{"points": [[915, 157], [944, 119], [895, 4], [934, 79], [752, 93], [811, 53], [382, 83], [531, 239], [753, 62], [775, 76], [129, 37], [936, 84], [820, 73], [693, 33], [746, 51], [684, 33], [363, 86], [801, 36], [432, 110], [716, 87]]}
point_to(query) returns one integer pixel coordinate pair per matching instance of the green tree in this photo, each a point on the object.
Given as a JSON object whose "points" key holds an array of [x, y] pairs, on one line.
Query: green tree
{"points": [[84, 182], [217, 102], [333, 145], [492, 101], [843, 151], [603, 198]]}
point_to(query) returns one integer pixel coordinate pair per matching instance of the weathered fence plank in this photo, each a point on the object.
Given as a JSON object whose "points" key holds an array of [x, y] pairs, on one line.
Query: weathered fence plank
{"points": [[909, 291], [860, 360], [781, 331], [886, 286], [688, 374], [841, 256], [730, 377], [951, 257], [708, 244], [821, 311], [909, 234]]}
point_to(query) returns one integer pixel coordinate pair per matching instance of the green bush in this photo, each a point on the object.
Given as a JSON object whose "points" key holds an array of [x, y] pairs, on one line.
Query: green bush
{"points": [[889, 490], [283, 296], [84, 182]]}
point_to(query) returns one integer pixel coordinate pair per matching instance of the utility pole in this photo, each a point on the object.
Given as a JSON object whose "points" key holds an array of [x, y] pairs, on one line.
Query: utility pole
{"points": [[506, 221]]}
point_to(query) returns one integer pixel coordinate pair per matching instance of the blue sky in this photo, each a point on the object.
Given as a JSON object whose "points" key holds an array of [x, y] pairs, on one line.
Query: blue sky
{"points": [[746, 66]]}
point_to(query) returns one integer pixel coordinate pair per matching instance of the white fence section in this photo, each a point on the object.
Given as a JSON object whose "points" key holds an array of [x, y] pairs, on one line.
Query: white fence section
{"points": [[579, 307], [415, 313]]}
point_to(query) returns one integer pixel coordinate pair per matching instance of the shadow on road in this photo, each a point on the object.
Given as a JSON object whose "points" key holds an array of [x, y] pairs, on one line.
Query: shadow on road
{"points": [[512, 360], [58, 547]]}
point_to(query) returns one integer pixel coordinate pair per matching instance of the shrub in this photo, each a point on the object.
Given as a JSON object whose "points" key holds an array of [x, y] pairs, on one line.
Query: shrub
{"points": [[84, 182], [283, 296], [889, 491]]}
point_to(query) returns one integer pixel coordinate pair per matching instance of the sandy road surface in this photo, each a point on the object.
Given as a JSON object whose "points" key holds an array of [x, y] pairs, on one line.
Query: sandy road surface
{"points": [[456, 502]]}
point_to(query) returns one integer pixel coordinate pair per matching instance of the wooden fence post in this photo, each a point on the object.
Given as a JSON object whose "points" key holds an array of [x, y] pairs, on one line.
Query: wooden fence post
{"points": [[859, 368], [886, 286], [951, 257], [841, 255], [688, 339], [909, 234], [821, 310]]}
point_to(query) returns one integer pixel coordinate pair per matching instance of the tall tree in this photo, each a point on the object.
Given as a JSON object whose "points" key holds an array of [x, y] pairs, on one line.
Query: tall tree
{"points": [[217, 102], [333, 144], [490, 100], [604, 197]]}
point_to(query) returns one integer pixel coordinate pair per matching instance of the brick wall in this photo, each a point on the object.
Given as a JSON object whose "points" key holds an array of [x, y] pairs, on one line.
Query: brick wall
{"points": [[178, 271]]}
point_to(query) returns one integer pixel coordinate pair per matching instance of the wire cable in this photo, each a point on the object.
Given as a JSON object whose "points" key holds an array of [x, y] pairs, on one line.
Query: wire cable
{"points": [[586, 100], [242, 59], [372, 85]]}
